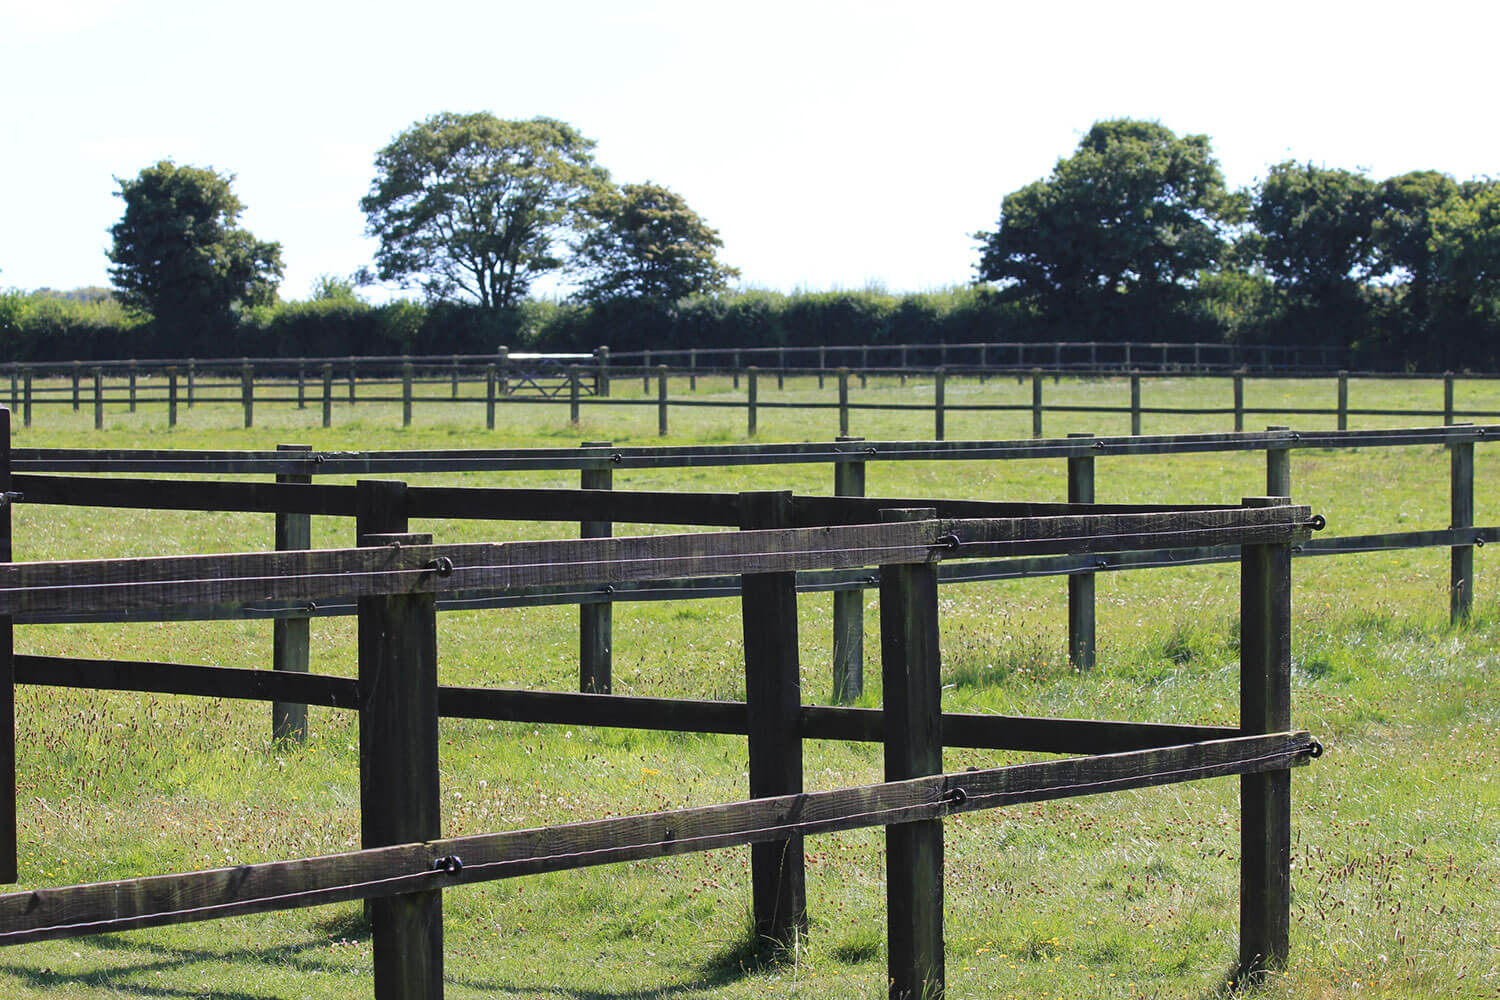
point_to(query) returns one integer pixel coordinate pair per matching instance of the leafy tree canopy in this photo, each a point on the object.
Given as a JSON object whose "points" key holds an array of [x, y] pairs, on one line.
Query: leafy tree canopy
{"points": [[470, 205], [648, 244], [1135, 210], [178, 253], [1315, 229]]}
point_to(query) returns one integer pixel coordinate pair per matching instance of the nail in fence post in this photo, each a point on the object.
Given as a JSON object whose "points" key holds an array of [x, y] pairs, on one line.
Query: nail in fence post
{"points": [[596, 619], [171, 397], [1265, 707], [661, 400], [1461, 576], [489, 397], [398, 751], [844, 401], [247, 394], [773, 702], [9, 860], [1081, 620], [1036, 402], [1135, 403], [76, 368], [327, 394], [1343, 401], [1447, 399], [290, 637], [911, 699], [98, 399], [1278, 468], [406, 394], [939, 390], [1239, 401], [752, 379], [132, 388], [848, 605], [573, 395]]}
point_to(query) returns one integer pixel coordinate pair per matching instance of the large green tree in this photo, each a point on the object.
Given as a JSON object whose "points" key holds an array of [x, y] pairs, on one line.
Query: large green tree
{"points": [[1128, 220], [180, 256], [470, 205], [648, 244], [1315, 229]]}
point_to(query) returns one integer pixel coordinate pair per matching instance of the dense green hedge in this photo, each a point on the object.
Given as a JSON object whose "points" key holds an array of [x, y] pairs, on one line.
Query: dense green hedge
{"points": [[1230, 307]]}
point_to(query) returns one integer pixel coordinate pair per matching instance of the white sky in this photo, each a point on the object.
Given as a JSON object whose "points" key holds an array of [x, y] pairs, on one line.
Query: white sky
{"points": [[832, 144]]}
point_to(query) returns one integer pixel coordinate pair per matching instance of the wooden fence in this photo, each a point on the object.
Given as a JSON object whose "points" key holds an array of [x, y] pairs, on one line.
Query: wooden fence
{"points": [[497, 384], [397, 580], [116, 482]]}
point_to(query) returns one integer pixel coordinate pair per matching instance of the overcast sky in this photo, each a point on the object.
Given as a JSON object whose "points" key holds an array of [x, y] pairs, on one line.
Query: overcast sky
{"points": [[833, 145]]}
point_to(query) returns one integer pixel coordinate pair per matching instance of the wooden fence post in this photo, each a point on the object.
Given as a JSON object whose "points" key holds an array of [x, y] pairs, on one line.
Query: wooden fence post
{"points": [[912, 707], [1265, 707], [132, 387], [573, 390], [601, 380], [9, 857], [454, 393], [489, 397], [661, 400], [1239, 401], [781, 368], [26, 399], [171, 398], [596, 619], [301, 385], [1036, 402], [735, 369], [646, 372], [1278, 468], [405, 393], [327, 394], [98, 399], [773, 702], [864, 366], [984, 362], [77, 367], [692, 369], [1447, 399], [902, 365], [844, 402], [1343, 401], [752, 379], [1461, 489], [192, 378], [502, 358], [290, 637], [247, 393], [15, 390], [848, 605], [939, 390], [1135, 403], [1081, 632], [822, 364], [398, 752], [353, 369]]}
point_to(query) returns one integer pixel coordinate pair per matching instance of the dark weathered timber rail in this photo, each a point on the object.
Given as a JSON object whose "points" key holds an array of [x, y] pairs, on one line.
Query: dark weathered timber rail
{"points": [[404, 863]]}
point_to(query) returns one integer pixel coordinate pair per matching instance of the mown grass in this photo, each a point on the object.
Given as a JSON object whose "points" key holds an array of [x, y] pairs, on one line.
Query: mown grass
{"points": [[1396, 884]]}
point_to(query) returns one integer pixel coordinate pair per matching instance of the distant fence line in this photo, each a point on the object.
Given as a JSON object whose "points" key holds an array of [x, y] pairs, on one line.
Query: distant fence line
{"points": [[397, 578], [555, 379]]}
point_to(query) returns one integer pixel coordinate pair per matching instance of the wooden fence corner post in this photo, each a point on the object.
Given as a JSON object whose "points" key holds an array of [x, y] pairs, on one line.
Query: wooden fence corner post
{"points": [[398, 752], [1265, 707], [9, 855], [911, 689], [596, 618], [773, 703], [291, 636], [1081, 602], [1461, 506], [848, 605]]}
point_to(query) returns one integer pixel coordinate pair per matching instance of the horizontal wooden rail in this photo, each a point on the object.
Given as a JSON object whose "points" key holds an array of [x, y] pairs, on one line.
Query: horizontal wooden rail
{"points": [[73, 911]]}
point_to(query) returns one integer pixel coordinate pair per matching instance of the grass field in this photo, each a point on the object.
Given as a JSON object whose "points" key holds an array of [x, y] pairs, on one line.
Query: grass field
{"points": [[1396, 884]]}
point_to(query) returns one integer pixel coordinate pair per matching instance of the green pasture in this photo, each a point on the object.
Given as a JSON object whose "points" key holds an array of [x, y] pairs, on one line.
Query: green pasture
{"points": [[1396, 879]]}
